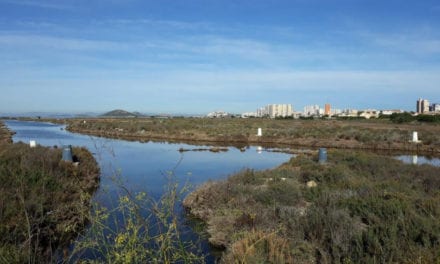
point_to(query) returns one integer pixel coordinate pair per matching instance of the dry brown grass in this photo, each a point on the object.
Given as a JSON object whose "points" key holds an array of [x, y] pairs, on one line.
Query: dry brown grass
{"points": [[353, 134], [44, 202], [259, 247], [365, 208]]}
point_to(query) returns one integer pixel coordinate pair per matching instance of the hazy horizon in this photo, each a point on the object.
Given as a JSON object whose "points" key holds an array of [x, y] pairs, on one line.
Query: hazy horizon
{"points": [[198, 56]]}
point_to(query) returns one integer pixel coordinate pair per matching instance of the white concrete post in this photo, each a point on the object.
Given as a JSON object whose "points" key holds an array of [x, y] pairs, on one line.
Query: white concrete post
{"points": [[415, 137]]}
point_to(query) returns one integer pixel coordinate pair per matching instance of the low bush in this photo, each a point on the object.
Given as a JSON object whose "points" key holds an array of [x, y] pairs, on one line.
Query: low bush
{"points": [[44, 202], [365, 208]]}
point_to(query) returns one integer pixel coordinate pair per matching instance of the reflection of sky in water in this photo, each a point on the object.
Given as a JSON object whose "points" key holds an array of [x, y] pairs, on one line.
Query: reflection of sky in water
{"points": [[419, 160], [143, 166]]}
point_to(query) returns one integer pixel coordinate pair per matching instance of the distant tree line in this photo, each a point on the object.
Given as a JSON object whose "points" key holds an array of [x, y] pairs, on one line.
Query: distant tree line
{"points": [[407, 117]]}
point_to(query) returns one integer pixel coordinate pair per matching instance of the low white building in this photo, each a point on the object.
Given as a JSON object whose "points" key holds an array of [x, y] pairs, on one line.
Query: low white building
{"points": [[218, 114], [249, 114], [296, 115], [369, 113], [390, 112], [349, 113]]}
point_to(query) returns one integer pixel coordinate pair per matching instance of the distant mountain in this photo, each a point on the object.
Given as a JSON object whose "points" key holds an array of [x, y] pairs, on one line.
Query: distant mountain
{"points": [[120, 113]]}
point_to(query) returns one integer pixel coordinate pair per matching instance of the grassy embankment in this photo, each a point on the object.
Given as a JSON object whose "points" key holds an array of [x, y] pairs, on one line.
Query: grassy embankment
{"points": [[5, 134], [348, 134], [365, 208], [44, 202]]}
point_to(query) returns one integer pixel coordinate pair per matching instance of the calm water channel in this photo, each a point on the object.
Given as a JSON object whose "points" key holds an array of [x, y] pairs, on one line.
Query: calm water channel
{"points": [[143, 166]]}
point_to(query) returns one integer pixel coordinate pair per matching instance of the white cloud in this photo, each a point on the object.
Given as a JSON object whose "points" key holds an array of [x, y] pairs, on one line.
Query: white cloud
{"points": [[33, 41], [416, 42], [172, 24], [61, 5], [199, 43], [311, 80], [410, 44]]}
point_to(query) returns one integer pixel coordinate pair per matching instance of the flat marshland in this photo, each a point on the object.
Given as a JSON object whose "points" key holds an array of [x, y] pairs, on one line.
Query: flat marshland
{"points": [[358, 207], [348, 134]]}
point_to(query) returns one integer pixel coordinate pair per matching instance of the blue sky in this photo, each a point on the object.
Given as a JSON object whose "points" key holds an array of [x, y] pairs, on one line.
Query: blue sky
{"points": [[197, 56]]}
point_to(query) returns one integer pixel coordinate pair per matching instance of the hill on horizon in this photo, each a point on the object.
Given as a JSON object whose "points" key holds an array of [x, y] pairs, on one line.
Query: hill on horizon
{"points": [[120, 113]]}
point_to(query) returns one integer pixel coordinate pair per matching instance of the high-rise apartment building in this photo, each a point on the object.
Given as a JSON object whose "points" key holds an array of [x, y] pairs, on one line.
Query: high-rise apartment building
{"points": [[425, 106], [261, 112], [278, 110], [311, 110], [435, 108], [422, 106], [327, 109]]}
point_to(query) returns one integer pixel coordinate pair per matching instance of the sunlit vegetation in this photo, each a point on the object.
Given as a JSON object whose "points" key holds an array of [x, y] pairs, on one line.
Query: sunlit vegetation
{"points": [[352, 134], [407, 118], [44, 202], [139, 229], [5, 134], [357, 208], [45, 210]]}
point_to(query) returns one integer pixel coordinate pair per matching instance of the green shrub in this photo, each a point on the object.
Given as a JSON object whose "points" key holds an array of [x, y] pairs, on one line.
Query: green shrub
{"points": [[44, 201], [366, 208]]}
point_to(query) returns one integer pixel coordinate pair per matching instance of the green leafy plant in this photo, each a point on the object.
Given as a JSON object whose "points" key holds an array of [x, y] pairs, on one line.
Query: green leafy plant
{"points": [[139, 229]]}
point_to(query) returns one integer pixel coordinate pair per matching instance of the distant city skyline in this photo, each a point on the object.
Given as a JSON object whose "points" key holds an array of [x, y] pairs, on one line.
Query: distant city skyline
{"points": [[193, 56]]}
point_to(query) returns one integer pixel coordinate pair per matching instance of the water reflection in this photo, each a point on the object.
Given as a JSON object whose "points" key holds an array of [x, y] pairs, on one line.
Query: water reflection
{"points": [[144, 166], [419, 160]]}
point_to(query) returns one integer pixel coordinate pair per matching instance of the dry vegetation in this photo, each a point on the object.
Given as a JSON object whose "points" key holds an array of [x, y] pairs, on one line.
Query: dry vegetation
{"points": [[350, 134], [5, 134], [44, 202], [357, 208], [365, 208]]}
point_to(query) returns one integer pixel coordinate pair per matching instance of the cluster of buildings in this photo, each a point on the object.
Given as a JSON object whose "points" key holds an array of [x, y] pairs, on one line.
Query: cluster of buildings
{"points": [[272, 111], [423, 107], [275, 110], [315, 110], [286, 111]]}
